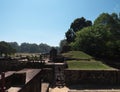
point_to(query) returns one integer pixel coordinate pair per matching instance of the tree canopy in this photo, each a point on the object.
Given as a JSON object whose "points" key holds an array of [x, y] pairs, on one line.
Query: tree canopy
{"points": [[6, 49], [34, 48], [102, 39], [11, 47], [77, 25]]}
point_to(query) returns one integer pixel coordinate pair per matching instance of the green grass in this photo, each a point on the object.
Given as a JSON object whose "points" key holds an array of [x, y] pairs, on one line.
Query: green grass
{"points": [[88, 65], [77, 54], [84, 64]]}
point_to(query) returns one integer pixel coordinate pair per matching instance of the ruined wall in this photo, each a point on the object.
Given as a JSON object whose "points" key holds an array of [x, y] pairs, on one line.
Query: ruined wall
{"points": [[103, 77], [10, 65], [47, 75], [34, 85], [110, 77]]}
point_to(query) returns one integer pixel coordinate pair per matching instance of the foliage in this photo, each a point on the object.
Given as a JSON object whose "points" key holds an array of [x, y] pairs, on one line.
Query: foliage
{"points": [[30, 47], [44, 48], [15, 46], [100, 40], [80, 23], [77, 25], [6, 49], [25, 47], [64, 46], [70, 35], [34, 48]]}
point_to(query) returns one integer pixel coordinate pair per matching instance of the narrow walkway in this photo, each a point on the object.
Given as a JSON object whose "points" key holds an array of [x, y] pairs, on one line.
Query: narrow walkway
{"points": [[56, 89], [44, 87]]}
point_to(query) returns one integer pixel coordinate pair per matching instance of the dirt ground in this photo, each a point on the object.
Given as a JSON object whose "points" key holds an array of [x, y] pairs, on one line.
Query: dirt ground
{"points": [[56, 89]]}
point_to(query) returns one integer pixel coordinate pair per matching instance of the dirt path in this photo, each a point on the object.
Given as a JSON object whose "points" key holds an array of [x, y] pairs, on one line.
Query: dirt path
{"points": [[56, 89]]}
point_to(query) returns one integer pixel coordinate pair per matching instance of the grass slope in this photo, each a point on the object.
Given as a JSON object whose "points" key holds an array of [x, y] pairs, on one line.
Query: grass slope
{"points": [[84, 64], [77, 54], [88, 65]]}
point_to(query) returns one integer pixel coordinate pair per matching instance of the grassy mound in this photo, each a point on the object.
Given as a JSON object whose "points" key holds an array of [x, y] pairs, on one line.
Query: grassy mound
{"points": [[88, 65], [77, 54], [84, 64]]}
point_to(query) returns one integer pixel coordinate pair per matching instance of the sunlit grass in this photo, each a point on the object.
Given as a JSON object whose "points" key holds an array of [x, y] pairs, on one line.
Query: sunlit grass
{"points": [[88, 65], [77, 54], [84, 61]]}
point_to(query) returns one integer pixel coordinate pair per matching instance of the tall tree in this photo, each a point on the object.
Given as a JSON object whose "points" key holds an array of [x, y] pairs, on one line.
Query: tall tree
{"points": [[64, 46], [102, 39], [76, 26], [70, 35], [80, 23]]}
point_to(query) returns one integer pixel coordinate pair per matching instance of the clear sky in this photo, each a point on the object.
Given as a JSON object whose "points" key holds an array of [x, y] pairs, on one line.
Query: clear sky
{"points": [[46, 21]]}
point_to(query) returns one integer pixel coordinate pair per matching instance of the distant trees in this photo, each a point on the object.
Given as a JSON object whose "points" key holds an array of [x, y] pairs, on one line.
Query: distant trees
{"points": [[25, 47], [34, 48], [15, 46], [6, 49], [12, 47], [44, 48]]}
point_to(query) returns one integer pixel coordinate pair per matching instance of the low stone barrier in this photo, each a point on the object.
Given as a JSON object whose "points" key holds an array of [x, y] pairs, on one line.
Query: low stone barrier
{"points": [[101, 77]]}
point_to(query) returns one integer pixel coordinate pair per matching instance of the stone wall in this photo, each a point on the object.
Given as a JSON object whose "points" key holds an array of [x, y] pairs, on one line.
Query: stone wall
{"points": [[102, 77], [32, 80], [11, 65], [34, 83], [33, 86], [47, 75], [111, 77]]}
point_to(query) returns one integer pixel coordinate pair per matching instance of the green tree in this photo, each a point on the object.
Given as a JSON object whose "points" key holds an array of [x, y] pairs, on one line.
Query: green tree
{"points": [[77, 25], [64, 46], [15, 46], [70, 35], [25, 47], [92, 40], [44, 48], [6, 49], [102, 39], [80, 23], [34, 48]]}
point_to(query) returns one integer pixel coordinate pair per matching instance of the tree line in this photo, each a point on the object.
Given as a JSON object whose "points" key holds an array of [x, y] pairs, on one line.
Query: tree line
{"points": [[100, 39], [8, 48]]}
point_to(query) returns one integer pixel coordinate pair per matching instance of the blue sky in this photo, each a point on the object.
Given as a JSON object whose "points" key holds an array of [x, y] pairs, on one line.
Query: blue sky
{"points": [[46, 21]]}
